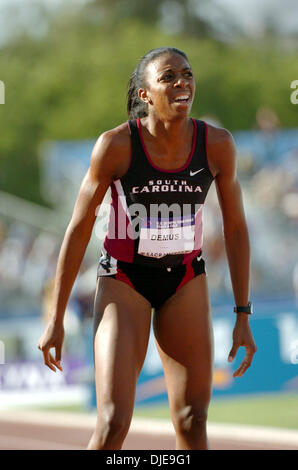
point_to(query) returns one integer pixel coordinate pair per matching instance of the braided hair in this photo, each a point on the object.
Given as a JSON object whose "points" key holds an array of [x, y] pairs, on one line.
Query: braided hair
{"points": [[136, 108]]}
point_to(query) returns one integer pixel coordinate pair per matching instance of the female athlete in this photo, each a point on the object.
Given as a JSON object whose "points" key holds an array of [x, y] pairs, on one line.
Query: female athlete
{"points": [[159, 165]]}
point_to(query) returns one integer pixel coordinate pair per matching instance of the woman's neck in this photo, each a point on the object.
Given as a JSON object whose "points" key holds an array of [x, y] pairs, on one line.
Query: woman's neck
{"points": [[172, 132]]}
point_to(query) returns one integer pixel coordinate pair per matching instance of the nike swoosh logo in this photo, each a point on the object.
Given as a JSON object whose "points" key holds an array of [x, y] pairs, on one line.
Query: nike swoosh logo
{"points": [[192, 173]]}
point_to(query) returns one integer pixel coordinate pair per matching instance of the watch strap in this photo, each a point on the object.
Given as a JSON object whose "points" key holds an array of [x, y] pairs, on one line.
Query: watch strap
{"points": [[244, 309]]}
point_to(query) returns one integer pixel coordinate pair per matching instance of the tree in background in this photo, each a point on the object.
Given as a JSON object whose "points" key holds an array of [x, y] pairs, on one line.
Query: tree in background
{"points": [[187, 17], [69, 81]]}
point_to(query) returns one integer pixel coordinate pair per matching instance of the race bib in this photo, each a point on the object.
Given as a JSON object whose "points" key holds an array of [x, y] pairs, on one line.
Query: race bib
{"points": [[160, 237]]}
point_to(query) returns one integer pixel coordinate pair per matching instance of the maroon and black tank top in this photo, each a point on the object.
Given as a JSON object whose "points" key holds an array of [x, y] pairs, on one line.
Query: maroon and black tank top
{"points": [[156, 214]]}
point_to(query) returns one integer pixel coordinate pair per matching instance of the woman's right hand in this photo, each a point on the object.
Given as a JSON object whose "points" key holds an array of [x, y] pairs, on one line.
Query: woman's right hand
{"points": [[52, 337]]}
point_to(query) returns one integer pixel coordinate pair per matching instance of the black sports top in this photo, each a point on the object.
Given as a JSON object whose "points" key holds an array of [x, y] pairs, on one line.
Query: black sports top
{"points": [[156, 214]]}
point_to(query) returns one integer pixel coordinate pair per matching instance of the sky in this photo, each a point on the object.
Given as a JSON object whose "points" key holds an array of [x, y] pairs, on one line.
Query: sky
{"points": [[249, 14], [23, 13], [285, 12]]}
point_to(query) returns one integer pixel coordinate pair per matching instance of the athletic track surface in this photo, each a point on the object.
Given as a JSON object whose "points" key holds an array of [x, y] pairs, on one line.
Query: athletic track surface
{"points": [[31, 430]]}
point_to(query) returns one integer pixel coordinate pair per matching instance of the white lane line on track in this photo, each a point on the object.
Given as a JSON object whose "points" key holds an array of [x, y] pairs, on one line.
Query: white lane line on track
{"points": [[234, 432]]}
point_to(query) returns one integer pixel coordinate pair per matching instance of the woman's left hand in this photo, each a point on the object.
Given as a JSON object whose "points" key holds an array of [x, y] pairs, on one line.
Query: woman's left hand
{"points": [[242, 336]]}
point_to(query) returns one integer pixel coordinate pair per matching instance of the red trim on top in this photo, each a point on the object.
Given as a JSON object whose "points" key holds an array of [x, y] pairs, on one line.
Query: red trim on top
{"points": [[130, 162], [120, 248], [194, 139], [206, 134]]}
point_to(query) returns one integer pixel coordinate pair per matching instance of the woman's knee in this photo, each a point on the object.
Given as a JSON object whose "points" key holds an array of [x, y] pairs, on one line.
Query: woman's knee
{"points": [[190, 419], [111, 429]]}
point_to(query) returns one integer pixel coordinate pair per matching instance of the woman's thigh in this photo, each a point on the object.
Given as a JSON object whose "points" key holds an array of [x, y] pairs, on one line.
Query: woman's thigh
{"points": [[121, 331], [184, 339]]}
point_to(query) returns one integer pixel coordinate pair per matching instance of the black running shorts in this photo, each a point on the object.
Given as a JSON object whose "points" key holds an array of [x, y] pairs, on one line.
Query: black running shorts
{"points": [[155, 284]]}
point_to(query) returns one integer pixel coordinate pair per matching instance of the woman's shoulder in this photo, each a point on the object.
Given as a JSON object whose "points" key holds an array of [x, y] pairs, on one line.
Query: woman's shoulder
{"points": [[113, 148], [116, 137], [218, 135], [220, 148]]}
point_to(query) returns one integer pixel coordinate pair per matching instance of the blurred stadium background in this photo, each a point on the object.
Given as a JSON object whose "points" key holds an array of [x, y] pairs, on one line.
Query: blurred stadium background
{"points": [[65, 67]]}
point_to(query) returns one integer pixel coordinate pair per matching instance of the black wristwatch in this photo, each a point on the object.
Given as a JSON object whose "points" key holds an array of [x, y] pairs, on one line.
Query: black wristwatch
{"points": [[248, 309]]}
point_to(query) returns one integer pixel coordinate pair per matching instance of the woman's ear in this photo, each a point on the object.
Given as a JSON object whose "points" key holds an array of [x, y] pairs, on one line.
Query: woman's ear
{"points": [[143, 96]]}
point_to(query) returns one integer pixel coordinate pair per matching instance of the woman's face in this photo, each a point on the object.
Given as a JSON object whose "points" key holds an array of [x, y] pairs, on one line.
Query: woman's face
{"points": [[170, 86]]}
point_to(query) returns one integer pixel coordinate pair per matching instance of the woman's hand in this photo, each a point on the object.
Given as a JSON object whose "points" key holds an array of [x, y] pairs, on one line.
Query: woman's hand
{"points": [[242, 336], [52, 337]]}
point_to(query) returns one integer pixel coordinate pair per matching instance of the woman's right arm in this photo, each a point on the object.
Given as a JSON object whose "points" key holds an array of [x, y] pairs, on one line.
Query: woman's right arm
{"points": [[104, 166]]}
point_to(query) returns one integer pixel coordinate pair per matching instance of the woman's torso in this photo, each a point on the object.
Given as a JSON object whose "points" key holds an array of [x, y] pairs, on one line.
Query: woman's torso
{"points": [[156, 213]]}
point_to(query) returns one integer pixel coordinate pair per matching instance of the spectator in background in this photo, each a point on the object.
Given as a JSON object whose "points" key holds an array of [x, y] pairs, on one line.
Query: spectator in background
{"points": [[295, 281], [267, 120], [269, 124], [2, 233]]}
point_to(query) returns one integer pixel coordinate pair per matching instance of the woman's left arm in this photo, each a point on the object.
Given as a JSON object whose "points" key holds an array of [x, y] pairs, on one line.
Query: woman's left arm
{"points": [[236, 239]]}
